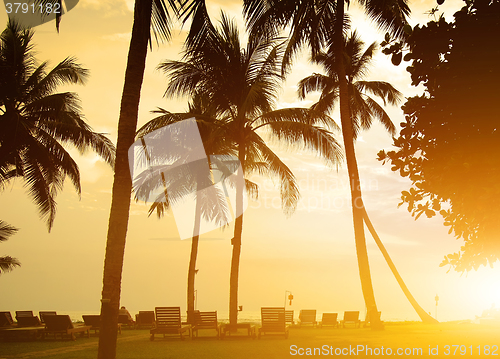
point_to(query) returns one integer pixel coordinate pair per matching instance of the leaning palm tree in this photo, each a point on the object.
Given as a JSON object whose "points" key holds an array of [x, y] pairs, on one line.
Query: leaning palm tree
{"points": [[242, 85], [36, 122], [7, 263], [363, 109], [318, 23]]}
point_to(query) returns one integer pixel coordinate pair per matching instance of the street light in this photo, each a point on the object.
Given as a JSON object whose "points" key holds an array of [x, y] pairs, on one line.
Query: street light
{"points": [[290, 297]]}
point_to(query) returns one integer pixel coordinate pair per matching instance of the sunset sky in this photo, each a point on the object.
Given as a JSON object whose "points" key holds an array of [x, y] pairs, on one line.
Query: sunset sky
{"points": [[311, 254]]}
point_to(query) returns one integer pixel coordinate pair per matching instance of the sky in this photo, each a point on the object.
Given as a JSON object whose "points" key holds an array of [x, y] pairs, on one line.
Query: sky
{"points": [[310, 254]]}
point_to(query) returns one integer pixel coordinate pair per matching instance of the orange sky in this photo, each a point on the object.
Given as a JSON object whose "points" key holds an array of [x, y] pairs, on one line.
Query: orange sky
{"points": [[310, 254]]}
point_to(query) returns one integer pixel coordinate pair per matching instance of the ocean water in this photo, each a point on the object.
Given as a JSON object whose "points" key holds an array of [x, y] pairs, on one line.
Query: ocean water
{"points": [[223, 316], [76, 315]]}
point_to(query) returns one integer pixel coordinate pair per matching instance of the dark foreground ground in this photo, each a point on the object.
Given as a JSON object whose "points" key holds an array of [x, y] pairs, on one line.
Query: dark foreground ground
{"points": [[409, 340]]}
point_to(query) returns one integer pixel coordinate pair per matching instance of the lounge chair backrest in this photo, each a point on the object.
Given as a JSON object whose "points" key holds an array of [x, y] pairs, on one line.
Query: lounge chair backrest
{"points": [[94, 320], [6, 319], [206, 320], [307, 316], [23, 313], [289, 316], [42, 314], [352, 316], [32, 321], [168, 317], [329, 318], [273, 317], [58, 322], [145, 317]]}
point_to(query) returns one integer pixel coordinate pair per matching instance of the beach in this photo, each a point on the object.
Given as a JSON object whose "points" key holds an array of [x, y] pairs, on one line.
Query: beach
{"points": [[404, 339]]}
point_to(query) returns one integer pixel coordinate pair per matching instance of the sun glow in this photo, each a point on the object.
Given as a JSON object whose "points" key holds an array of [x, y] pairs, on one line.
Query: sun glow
{"points": [[485, 289]]}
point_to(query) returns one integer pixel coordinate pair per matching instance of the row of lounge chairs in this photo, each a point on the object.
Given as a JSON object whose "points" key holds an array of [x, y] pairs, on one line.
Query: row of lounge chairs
{"points": [[167, 321], [275, 321], [31, 326], [308, 317]]}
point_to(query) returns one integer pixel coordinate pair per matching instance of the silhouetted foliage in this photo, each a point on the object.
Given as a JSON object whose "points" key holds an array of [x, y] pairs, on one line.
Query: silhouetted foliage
{"points": [[36, 122], [7, 263], [449, 145]]}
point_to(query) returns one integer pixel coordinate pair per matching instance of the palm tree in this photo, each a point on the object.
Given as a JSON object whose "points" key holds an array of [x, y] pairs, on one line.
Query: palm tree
{"points": [[36, 122], [150, 16], [242, 85], [210, 205], [362, 107], [319, 23], [7, 263]]}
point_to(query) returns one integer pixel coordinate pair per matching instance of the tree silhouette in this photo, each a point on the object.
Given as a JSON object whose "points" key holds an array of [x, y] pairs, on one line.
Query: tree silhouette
{"points": [[210, 204], [449, 143], [318, 23], [7, 263], [36, 122], [242, 85]]}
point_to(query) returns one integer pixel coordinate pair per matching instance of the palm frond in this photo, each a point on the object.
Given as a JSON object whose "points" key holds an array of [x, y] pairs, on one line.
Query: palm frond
{"points": [[6, 230], [289, 189], [389, 15], [383, 90], [8, 263], [316, 82], [381, 115], [67, 71], [37, 122]]}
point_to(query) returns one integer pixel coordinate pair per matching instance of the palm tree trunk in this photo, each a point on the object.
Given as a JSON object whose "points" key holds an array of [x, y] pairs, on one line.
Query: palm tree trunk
{"points": [[352, 168], [122, 184], [236, 241], [192, 261], [426, 318]]}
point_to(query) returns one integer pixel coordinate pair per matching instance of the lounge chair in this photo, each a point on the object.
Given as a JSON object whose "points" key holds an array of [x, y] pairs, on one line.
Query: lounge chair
{"points": [[27, 328], [23, 313], [25, 318], [307, 316], [329, 319], [273, 321], [94, 321], [205, 320], [289, 317], [42, 314], [6, 320], [144, 319], [351, 317], [168, 321], [62, 324]]}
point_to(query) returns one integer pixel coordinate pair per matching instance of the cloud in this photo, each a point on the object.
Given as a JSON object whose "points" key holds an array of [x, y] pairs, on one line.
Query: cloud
{"points": [[124, 37], [108, 6]]}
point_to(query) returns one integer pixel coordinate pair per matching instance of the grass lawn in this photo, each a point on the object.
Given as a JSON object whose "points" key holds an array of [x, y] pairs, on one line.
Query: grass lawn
{"points": [[411, 340]]}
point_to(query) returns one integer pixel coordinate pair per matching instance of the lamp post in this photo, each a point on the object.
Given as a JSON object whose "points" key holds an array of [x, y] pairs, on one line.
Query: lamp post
{"points": [[436, 298], [289, 297]]}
